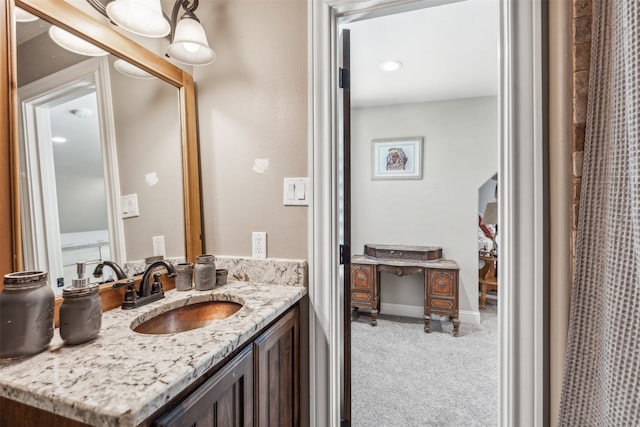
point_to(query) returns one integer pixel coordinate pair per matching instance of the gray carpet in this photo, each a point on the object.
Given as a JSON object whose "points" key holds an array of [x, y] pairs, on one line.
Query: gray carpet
{"points": [[403, 377]]}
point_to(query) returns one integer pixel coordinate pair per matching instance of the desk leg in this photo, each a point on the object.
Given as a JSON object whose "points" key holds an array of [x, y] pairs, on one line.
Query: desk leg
{"points": [[456, 325], [427, 323], [374, 312]]}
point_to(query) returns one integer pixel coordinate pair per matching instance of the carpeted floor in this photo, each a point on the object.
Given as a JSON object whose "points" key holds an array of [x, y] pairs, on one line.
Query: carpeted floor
{"points": [[403, 377]]}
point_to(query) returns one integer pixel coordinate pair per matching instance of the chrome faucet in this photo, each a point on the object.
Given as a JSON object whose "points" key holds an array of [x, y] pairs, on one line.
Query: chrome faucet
{"points": [[120, 274], [147, 292]]}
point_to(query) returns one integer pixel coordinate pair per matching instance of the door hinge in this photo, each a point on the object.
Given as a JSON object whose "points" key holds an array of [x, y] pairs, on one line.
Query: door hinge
{"points": [[345, 254], [345, 79]]}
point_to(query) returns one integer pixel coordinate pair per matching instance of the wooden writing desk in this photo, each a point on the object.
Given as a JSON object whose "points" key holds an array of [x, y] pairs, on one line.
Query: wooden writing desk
{"points": [[440, 284]]}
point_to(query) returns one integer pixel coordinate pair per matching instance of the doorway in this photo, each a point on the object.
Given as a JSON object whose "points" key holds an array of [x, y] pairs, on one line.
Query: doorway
{"points": [[523, 375], [70, 187], [443, 94]]}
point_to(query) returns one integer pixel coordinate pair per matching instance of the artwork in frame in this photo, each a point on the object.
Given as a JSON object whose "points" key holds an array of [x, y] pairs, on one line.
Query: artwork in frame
{"points": [[397, 158]]}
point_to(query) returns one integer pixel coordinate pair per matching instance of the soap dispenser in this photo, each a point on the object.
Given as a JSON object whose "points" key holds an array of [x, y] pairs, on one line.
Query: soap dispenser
{"points": [[81, 310]]}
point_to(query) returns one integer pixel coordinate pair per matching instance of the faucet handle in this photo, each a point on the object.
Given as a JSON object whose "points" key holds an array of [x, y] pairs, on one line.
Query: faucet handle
{"points": [[156, 287]]}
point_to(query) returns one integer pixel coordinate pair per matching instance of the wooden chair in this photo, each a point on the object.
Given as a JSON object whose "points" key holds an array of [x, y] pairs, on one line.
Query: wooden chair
{"points": [[487, 278]]}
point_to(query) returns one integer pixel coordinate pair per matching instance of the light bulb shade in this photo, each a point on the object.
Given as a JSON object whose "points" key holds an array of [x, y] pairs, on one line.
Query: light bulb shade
{"points": [[141, 17], [22, 15], [131, 70], [74, 43], [190, 44]]}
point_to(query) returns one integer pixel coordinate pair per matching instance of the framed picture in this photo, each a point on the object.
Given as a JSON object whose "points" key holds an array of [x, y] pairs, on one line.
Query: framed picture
{"points": [[397, 158]]}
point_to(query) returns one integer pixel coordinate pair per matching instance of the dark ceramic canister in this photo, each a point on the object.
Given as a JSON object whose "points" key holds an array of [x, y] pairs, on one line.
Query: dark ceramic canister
{"points": [[205, 272], [26, 314], [80, 314]]}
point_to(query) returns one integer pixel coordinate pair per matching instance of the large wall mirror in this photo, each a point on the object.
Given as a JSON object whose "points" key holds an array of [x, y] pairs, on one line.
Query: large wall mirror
{"points": [[101, 162]]}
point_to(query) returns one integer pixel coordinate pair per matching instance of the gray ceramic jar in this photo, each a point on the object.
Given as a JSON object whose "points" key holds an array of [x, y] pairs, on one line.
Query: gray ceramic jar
{"points": [[80, 314], [184, 276], [26, 314], [205, 272]]}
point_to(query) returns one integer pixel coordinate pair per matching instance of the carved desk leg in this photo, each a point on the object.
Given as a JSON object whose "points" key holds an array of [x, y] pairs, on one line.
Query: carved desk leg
{"points": [[427, 323], [456, 325], [374, 312]]}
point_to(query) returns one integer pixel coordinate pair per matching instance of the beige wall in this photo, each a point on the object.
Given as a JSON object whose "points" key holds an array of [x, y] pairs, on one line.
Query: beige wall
{"points": [[441, 209], [147, 123], [252, 104]]}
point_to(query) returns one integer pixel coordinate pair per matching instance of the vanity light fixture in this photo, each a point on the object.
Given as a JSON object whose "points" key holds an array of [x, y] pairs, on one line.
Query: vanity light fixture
{"points": [[131, 70], [73, 43], [58, 139], [390, 66], [141, 17], [189, 43], [22, 15]]}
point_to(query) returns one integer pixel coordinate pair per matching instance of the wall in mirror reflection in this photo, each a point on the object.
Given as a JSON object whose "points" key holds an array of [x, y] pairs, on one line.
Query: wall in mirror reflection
{"points": [[146, 116]]}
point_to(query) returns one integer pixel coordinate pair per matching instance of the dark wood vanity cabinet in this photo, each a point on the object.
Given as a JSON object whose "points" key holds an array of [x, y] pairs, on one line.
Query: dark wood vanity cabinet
{"points": [[277, 371], [259, 387], [224, 400]]}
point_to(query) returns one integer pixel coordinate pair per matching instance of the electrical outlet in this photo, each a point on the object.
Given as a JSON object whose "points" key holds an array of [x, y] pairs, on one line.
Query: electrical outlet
{"points": [[259, 244], [158, 245]]}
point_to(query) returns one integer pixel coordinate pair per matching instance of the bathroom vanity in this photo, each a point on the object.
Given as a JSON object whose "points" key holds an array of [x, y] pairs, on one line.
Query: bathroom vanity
{"points": [[243, 368]]}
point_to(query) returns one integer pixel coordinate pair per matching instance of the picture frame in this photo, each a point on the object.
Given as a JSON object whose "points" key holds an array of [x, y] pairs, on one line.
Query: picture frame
{"points": [[397, 158]]}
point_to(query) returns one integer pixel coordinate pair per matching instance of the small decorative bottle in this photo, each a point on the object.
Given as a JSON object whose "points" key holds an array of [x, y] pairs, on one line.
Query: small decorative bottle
{"points": [[205, 272], [26, 314], [80, 311]]}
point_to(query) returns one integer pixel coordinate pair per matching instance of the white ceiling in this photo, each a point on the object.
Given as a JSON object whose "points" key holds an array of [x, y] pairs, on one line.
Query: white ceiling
{"points": [[448, 52]]}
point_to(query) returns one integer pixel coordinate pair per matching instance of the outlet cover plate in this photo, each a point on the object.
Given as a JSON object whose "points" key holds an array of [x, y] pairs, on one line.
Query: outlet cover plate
{"points": [[259, 244]]}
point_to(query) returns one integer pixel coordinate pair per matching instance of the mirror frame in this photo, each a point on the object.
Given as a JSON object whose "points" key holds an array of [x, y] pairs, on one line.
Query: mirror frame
{"points": [[66, 16]]}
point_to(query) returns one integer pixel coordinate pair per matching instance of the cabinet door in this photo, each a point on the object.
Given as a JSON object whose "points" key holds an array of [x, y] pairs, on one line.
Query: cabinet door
{"points": [[225, 400], [277, 373]]}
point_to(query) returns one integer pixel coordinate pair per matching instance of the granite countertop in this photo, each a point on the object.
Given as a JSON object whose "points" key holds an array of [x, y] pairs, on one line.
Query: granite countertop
{"points": [[123, 377]]}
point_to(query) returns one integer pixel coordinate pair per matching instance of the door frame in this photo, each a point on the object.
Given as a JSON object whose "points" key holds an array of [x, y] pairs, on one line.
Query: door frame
{"points": [[40, 224], [523, 303]]}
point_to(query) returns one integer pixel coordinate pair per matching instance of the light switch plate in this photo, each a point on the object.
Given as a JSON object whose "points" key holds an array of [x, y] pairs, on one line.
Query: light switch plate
{"points": [[129, 206], [296, 192]]}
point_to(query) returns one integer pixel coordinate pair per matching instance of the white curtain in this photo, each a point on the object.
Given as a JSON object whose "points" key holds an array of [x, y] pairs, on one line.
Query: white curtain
{"points": [[602, 368]]}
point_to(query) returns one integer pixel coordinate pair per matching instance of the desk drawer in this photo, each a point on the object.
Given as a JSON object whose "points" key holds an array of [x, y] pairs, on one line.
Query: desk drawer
{"points": [[442, 283], [361, 297], [362, 277]]}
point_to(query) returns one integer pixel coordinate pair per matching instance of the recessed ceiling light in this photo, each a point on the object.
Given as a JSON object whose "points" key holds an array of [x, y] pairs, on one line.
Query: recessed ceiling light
{"points": [[82, 113], [390, 65], [59, 139]]}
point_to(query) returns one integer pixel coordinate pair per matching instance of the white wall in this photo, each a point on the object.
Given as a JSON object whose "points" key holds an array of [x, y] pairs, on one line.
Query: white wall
{"points": [[460, 153]]}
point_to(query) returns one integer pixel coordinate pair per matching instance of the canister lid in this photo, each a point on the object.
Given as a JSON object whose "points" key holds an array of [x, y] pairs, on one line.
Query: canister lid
{"points": [[73, 292], [205, 259], [25, 279]]}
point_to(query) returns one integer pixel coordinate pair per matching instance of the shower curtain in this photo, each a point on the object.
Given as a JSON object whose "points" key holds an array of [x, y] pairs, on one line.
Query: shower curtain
{"points": [[602, 368]]}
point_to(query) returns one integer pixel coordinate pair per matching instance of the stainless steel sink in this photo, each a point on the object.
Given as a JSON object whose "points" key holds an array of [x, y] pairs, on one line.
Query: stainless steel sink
{"points": [[188, 317]]}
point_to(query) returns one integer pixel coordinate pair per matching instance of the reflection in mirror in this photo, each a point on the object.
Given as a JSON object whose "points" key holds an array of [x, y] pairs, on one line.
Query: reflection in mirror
{"points": [[123, 138]]}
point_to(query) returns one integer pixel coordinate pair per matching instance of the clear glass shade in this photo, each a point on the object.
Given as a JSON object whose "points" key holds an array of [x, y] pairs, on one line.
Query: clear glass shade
{"points": [[142, 17], [74, 43], [190, 44]]}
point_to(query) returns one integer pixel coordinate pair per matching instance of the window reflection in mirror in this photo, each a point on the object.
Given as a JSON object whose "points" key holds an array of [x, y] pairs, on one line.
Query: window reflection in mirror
{"points": [[136, 152]]}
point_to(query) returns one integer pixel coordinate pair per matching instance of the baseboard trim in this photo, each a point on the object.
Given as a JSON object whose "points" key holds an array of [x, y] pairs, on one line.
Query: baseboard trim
{"points": [[472, 317], [417, 311], [402, 310]]}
